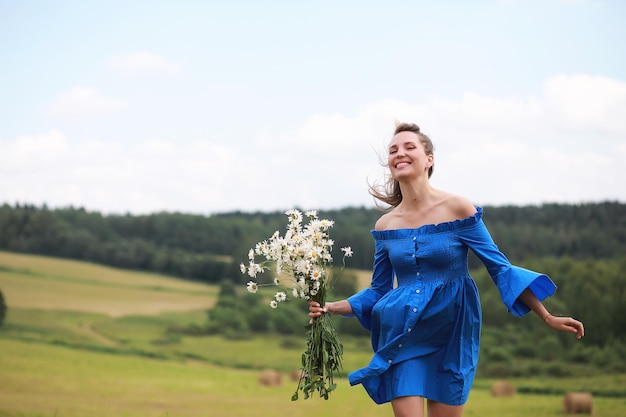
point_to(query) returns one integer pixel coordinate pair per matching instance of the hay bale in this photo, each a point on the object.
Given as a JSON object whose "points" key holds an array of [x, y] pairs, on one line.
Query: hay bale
{"points": [[270, 378], [578, 403], [503, 389], [295, 375]]}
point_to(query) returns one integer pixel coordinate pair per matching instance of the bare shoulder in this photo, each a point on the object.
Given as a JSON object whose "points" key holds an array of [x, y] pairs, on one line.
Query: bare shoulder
{"points": [[446, 207], [460, 207], [383, 221]]}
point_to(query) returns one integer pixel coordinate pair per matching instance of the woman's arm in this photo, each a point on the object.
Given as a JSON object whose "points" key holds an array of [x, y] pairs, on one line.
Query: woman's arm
{"points": [[336, 307], [361, 304], [564, 324]]}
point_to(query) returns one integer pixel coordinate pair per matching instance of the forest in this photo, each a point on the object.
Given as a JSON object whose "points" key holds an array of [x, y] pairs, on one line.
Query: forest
{"points": [[581, 247], [209, 248]]}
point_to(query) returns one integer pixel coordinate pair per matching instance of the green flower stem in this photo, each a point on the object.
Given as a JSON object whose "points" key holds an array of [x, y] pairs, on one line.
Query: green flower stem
{"points": [[322, 359]]}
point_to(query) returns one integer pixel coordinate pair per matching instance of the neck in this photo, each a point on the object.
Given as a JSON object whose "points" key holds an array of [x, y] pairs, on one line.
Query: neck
{"points": [[416, 194]]}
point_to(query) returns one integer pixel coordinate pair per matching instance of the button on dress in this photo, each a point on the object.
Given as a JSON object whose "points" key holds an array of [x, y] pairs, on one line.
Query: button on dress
{"points": [[425, 332]]}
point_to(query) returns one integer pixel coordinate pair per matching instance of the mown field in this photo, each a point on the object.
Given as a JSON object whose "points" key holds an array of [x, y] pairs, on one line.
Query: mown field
{"points": [[82, 340]]}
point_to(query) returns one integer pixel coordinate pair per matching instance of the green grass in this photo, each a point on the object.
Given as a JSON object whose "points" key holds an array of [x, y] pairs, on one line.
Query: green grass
{"points": [[40, 282], [82, 340], [43, 380], [148, 336]]}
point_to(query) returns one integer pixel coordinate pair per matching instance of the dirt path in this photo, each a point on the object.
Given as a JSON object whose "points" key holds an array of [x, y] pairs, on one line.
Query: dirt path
{"points": [[89, 331]]}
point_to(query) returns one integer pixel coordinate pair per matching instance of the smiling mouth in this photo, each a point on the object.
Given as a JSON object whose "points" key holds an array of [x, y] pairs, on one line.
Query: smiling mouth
{"points": [[401, 164]]}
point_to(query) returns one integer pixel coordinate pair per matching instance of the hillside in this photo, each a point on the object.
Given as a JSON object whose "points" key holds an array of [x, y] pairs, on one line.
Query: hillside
{"points": [[100, 341], [40, 282]]}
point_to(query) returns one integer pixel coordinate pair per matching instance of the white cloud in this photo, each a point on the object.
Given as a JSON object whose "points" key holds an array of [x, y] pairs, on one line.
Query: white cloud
{"points": [[144, 62], [587, 102], [494, 150], [28, 151], [82, 101], [556, 147], [114, 177]]}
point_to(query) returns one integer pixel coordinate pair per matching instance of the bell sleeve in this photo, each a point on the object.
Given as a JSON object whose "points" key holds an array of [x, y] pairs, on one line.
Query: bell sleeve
{"points": [[510, 280], [363, 302]]}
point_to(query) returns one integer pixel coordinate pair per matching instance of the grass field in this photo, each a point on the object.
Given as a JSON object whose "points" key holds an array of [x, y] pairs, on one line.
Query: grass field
{"points": [[80, 286], [82, 340]]}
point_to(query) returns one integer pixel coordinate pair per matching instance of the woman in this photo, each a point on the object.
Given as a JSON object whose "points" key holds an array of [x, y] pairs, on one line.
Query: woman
{"points": [[425, 332]]}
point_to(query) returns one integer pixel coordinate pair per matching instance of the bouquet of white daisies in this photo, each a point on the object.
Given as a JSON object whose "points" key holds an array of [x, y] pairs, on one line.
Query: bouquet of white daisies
{"points": [[304, 254]]}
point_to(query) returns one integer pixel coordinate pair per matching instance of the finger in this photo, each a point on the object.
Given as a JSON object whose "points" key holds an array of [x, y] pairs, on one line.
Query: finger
{"points": [[581, 331], [577, 327], [572, 325]]}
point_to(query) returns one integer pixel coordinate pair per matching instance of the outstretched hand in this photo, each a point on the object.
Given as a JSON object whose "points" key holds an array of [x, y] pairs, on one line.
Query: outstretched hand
{"points": [[566, 324]]}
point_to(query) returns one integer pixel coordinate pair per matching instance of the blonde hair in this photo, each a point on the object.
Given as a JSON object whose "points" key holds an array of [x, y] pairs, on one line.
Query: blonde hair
{"points": [[389, 192]]}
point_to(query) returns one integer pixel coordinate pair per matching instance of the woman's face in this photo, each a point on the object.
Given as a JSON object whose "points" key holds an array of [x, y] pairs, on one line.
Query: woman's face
{"points": [[407, 157]]}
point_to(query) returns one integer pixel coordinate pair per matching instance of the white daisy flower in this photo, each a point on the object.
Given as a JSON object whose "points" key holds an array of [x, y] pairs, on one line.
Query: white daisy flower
{"points": [[294, 215], [280, 296], [273, 304], [347, 251], [315, 225], [316, 274], [326, 223], [252, 287], [254, 269]]}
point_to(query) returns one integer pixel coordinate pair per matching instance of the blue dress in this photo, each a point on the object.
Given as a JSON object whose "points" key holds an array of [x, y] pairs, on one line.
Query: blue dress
{"points": [[425, 332]]}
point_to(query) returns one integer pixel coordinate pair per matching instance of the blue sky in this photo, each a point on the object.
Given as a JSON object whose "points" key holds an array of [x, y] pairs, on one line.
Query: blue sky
{"points": [[206, 106]]}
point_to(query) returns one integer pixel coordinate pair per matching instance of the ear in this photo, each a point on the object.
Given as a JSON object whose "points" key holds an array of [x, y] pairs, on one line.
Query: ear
{"points": [[431, 160]]}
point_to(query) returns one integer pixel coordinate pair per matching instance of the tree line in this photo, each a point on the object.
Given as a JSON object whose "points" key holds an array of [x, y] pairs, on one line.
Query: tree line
{"points": [[209, 248]]}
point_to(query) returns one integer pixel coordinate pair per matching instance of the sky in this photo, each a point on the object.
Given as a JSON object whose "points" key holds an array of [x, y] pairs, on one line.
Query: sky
{"points": [[210, 106]]}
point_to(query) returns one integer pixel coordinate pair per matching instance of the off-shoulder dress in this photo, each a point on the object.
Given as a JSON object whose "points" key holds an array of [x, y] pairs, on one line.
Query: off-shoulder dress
{"points": [[425, 331]]}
